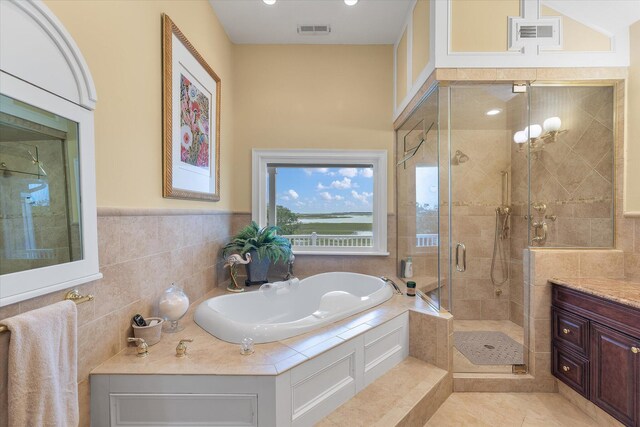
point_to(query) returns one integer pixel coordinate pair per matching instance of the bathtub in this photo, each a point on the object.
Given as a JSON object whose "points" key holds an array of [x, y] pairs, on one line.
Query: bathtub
{"points": [[283, 310]]}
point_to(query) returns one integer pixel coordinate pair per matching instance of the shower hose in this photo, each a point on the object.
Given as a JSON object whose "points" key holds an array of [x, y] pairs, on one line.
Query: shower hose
{"points": [[498, 248]]}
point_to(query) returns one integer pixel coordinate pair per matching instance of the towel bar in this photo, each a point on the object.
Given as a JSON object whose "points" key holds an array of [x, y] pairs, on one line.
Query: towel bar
{"points": [[73, 295]]}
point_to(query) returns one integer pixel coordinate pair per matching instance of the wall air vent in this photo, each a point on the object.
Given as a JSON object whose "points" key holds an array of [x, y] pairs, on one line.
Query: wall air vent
{"points": [[545, 32], [314, 30]]}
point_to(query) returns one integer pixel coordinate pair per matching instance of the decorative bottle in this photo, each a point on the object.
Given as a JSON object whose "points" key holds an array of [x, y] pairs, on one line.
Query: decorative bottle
{"points": [[173, 304]]}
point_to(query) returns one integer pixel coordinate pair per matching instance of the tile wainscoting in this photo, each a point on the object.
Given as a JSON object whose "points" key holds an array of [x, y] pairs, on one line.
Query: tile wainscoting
{"points": [[142, 251]]}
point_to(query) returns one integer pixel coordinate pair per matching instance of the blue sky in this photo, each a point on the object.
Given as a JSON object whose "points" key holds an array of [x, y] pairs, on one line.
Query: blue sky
{"points": [[325, 190], [427, 186]]}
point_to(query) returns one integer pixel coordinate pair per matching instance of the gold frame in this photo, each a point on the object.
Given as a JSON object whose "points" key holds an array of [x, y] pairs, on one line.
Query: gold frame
{"points": [[169, 29]]}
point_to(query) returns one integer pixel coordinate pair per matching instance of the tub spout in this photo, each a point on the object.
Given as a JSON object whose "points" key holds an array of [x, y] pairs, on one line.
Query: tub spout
{"points": [[290, 262], [392, 283]]}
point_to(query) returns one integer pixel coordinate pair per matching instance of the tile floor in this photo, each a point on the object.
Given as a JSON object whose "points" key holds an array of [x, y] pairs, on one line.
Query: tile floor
{"points": [[463, 365], [509, 409], [386, 401]]}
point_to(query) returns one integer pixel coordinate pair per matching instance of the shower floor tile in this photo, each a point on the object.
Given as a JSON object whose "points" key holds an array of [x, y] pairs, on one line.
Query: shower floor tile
{"points": [[462, 364]]}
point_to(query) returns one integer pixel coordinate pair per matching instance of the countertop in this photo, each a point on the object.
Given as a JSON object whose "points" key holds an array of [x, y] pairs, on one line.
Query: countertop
{"points": [[208, 355], [618, 290]]}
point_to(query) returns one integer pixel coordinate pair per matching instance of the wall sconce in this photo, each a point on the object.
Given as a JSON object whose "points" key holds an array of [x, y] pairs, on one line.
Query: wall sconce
{"points": [[535, 136]]}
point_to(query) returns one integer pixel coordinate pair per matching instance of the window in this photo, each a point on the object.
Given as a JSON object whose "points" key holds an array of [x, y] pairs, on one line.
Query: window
{"points": [[325, 201], [426, 206]]}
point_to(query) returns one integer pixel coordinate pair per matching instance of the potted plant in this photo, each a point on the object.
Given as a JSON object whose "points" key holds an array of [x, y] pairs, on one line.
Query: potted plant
{"points": [[263, 245]]}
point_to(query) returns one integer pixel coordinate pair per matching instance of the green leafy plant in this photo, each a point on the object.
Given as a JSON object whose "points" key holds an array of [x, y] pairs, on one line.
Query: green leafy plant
{"points": [[265, 241]]}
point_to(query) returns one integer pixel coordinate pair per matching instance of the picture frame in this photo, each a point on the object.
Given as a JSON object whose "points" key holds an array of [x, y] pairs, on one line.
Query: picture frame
{"points": [[191, 120]]}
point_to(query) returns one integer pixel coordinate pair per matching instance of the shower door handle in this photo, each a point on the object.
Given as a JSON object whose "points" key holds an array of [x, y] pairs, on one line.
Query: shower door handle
{"points": [[464, 257]]}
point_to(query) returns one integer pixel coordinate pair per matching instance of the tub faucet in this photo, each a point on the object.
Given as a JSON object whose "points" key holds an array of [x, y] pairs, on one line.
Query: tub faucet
{"points": [[392, 283], [289, 274]]}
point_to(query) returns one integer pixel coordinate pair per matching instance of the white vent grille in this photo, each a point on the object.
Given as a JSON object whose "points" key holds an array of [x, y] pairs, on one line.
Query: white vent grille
{"points": [[314, 30], [545, 32]]}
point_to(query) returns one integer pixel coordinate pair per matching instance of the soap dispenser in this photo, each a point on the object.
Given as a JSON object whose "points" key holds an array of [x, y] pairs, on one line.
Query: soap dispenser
{"points": [[408, 268]]}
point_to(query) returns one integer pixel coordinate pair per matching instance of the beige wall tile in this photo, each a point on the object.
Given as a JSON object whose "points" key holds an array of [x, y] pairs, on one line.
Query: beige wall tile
{"points": [[551, 263], [605, 264]]}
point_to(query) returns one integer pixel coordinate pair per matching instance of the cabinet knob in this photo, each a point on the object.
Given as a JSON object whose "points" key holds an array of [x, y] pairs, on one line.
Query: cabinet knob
{"points": [[635, 350], [566, 368], [566, 331]]}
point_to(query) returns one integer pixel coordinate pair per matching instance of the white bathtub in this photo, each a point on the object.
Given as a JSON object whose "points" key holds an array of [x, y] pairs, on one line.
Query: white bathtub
{"points": [[287, 310]]}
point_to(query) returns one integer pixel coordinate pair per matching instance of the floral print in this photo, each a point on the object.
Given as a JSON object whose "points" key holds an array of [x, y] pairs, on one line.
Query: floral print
{"points": [[194, 125]]}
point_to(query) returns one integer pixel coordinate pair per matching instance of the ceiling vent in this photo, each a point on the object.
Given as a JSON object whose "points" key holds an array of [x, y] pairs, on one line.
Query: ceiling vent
{"points": [[314, 30], [545, 32]]}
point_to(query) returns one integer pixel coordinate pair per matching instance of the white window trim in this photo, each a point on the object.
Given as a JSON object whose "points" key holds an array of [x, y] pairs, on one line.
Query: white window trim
{"points": [[377, 158]]}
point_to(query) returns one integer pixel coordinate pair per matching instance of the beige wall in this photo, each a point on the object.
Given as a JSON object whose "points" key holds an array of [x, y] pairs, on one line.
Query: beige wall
{"points": [[401, 69], [481, 25], [578, 37], [420, 49], [310, 96], [121, 42], [632, 181]]}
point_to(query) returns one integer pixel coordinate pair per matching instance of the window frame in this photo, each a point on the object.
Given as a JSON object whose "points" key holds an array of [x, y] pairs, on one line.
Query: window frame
{"points": [[333, 158]]}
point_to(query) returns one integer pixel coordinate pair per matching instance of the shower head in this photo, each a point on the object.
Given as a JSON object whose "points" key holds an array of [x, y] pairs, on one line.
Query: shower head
{"points": [[459, 158]]}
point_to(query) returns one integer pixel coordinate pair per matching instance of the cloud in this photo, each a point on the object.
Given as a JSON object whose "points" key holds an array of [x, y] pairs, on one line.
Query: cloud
{"points": [[338, 197], [293, 194], [362, 197], [367, 173], [345, 184], [325, 195], [350, 172], [310, 171], [301, 204], [285, 198]]}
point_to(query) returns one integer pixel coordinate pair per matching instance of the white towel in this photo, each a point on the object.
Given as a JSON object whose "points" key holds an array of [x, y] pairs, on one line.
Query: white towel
{"points": [[43, 374]]}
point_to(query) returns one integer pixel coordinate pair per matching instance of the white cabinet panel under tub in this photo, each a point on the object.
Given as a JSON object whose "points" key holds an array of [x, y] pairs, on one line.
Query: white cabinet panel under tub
{"points": [[326, 382], [129, 409], [385, 346], [298, 397]]}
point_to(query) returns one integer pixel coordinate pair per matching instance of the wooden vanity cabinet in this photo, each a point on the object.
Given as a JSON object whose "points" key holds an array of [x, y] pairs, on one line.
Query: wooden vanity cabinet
{"points": [[596, 351], [615, 373]]}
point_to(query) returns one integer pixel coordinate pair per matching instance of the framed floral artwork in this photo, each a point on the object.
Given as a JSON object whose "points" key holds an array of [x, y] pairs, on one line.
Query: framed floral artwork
{"points": [[191, 119]]}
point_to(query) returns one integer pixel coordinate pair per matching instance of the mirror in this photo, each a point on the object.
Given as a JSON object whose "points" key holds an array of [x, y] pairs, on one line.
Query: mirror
{"points": [[39, 188]]}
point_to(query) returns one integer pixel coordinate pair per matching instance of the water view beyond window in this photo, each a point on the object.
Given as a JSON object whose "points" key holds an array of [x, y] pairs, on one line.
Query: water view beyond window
{"points": [[322, 206]]}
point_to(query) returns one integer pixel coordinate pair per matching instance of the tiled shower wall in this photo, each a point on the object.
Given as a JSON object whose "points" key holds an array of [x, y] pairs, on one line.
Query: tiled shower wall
{"points": [[141, 254], [476, 193], [410, 221], [573, 176], [50, 216]]}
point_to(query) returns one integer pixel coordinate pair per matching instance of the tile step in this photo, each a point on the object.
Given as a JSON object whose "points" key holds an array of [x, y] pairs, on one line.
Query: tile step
{"points": [[407, 395]]}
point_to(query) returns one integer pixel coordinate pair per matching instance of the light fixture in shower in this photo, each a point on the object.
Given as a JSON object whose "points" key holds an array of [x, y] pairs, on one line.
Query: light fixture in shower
{"points": [[493, 112], [350, 2], [459, 157], [538, 136], [269, 2]]}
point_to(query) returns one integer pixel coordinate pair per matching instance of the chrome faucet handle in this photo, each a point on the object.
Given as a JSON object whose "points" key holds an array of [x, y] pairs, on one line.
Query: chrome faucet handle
{"points": [[142, 349], [181, 349]]}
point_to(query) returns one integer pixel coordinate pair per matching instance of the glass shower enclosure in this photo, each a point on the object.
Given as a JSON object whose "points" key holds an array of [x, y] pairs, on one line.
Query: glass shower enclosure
{"points": [[483, 173]]}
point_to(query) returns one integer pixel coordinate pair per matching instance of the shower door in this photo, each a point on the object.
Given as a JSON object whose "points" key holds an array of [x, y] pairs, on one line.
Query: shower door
{"points": [[488, 200]]}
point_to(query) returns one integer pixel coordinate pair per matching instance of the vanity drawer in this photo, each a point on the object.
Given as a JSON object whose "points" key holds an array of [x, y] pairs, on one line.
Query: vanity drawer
{"points": [[572, 370], [571, 331]]}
